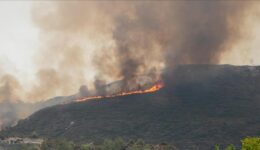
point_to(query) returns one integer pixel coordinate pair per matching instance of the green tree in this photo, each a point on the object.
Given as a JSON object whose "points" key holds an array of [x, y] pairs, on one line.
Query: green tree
{"points": [[87, 147], [59, 144], [216, 147], [27, 147], [251, 143], [138, 145], [230, 147]]}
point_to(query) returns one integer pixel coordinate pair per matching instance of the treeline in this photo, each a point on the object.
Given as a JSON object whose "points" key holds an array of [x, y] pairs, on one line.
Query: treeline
{"points": [[116, 144], [250, 143]]}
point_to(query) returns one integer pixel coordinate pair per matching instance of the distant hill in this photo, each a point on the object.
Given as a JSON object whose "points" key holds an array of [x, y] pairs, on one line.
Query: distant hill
{"points": [[201, 105]]}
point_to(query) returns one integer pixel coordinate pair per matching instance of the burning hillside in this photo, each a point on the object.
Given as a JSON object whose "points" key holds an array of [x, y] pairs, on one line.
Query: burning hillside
{"points": [[206, 102], [157, 86]]}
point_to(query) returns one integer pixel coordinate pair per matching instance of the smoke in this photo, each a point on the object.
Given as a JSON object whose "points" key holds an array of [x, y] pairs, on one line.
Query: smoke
{"points": [[82, 41], [130, 39], [149, 34], [100, 86], [11, 108], [205, 30], [83, 91], [9, 88], [8, 115]]}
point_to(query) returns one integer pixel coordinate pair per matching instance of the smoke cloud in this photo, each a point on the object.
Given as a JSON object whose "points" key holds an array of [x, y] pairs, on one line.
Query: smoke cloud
{"points": [[131, 39], [205, 30], [11, 108], [9, 88], [83, 91]]}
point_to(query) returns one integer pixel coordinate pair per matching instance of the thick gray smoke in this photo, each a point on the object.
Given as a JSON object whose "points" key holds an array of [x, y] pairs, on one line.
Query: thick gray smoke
{"points": [[83, 91], [100, 86], [173, 33], [203, 31], [132, 39]]}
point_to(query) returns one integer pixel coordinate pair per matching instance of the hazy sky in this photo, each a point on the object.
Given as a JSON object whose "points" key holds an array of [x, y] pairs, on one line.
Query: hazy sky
{"points": [[19, 38]]}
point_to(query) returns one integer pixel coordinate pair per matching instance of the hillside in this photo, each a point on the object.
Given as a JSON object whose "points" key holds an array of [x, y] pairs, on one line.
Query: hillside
{"points": [[201, 105]]}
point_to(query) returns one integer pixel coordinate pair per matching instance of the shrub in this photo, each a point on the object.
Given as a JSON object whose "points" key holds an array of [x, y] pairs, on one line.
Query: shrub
{"points": [[251, 143], [59, 144], [117, 144], [230, 147], [138, 145], [216, 147], [87, 147]]}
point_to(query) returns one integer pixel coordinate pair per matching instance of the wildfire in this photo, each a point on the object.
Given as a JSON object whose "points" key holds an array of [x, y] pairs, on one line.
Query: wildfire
{"points": [[154, 88]]}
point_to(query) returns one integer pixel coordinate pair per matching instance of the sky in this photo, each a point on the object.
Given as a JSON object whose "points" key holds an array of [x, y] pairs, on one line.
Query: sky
{"points": [[20, 42], [18, 38]]}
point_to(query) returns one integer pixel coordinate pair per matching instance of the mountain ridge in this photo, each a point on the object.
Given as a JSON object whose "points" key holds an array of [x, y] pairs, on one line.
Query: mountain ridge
{"points": [[200, 106]]}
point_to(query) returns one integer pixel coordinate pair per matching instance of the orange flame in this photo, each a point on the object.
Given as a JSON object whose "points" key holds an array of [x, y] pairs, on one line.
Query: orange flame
{"points": [[154, 88]]}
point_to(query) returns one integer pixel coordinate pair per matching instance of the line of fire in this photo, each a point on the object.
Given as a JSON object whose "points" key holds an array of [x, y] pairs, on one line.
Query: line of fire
{"points": [[139, 90]]}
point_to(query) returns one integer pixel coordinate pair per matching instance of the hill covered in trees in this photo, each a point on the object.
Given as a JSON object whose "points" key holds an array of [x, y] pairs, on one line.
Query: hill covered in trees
{"points": [[200, 106]]}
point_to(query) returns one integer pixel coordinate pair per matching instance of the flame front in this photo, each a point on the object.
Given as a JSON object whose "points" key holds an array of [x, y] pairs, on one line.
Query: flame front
{"points": [[154, 88]]}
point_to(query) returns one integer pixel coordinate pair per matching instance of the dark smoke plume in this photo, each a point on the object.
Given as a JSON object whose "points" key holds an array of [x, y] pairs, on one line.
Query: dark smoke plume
{"points": [[203, 31], [180, 32], [83, 91], [132, 39], [100, 86]]}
